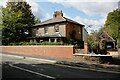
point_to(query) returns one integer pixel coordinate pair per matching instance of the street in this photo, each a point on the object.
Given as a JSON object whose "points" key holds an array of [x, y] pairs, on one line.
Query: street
{"points": [[16, 67]]}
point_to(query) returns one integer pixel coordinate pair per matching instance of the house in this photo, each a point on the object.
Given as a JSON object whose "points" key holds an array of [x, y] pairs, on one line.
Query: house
{"points": [[106, 41], [57, 29]]}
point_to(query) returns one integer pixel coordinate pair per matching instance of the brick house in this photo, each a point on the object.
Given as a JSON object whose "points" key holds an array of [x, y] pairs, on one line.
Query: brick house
{"points": [[58, 28]]}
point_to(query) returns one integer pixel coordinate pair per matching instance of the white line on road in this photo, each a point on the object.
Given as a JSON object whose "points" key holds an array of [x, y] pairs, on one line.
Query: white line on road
{"points": [[32, 72], [45, 60], [29, 58], [12, 55]]}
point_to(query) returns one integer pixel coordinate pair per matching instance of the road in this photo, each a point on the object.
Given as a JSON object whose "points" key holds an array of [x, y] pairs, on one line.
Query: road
{"points": [[17, 67]]}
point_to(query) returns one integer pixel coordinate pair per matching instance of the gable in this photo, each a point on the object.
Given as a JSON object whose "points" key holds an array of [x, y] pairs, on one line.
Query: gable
{"points": [[107, 37]]}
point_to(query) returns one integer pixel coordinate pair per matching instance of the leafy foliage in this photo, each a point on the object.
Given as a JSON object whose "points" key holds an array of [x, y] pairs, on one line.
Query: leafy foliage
{"points": [[76, 42], [92, 39], [37, 21], [37, 43], [17, 18], [112, 24]]}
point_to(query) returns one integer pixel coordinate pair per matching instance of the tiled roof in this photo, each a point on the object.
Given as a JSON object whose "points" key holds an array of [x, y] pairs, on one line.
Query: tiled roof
{"points": [[52, 35], [107, 37], [55, 35], [56, 20]]}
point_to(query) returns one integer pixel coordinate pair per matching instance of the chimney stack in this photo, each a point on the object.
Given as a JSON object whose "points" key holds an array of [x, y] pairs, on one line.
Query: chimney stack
{"points": [[58, 14]]}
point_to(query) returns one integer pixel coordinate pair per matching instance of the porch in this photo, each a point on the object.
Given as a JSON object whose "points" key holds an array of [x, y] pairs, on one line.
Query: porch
{"points": [[57, 37]]}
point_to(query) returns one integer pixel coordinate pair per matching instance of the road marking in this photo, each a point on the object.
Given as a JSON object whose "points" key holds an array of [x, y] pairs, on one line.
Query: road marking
{"points": [[12, 56], [52, 61], [86, 68], [29, 58], [32, 72]]}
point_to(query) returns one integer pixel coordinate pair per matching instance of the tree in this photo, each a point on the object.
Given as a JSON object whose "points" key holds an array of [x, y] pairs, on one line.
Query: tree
{"points": [[0, 25], [92, 39], [112, 25], [17, 18], [37, 21]]}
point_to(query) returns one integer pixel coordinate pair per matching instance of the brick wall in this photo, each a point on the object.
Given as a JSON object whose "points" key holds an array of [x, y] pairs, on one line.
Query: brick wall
{"points": [[46, 51], [82, 51]]}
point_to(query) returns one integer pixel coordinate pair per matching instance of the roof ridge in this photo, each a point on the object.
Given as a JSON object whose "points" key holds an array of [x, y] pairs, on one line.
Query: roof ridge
{"points": [[67, 19], [46, 20], [55, 20]]}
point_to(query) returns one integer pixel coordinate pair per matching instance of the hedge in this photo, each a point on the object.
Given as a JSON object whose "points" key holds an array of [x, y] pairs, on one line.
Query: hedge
{"points": [[36, 43]]}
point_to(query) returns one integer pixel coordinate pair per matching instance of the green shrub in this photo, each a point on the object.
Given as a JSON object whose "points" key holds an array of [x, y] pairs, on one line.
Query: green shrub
{"points": [[102, 51], [37, 43], [94, 45], [118, 43], [76, 42]]}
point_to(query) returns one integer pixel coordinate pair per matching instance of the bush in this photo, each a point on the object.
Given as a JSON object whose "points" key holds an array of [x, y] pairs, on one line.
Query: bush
{"points": [[102, 51], [76, 42], [118, 44], [95, 51], [36, 43]]}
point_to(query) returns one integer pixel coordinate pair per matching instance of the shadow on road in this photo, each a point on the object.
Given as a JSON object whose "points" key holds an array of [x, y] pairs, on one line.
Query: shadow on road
{"points": [[51, 70]]}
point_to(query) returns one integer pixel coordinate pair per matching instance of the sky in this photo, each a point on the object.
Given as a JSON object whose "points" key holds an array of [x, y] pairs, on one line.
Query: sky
{"points": [[86, 12]]}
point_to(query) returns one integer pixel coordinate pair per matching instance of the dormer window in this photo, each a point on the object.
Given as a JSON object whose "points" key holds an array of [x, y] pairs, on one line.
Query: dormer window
{"points": [[56, 28]]}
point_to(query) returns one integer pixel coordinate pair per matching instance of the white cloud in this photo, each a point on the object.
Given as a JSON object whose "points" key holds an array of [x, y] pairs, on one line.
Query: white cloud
{"points": [[67, 16], [95, 24], [36, 10], [59, 1], [88, 21], [91, 8], [34, 5], [3, 3]]}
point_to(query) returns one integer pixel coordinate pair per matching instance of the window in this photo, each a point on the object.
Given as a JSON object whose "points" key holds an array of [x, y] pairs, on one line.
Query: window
{"points": [[45, 29], [57, 28], [58, 40], [109, 46], [52, 40]]}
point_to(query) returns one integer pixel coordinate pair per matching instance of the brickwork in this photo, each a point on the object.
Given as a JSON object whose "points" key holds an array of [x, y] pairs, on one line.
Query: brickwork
{"points": [[70, 27], [119, 50], [85, 48], [40, 30], [119, 53], [46, 51]]}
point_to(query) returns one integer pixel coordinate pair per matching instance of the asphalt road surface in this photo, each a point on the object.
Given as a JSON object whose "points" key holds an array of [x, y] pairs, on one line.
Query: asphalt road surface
{"points": [[14, 67]]}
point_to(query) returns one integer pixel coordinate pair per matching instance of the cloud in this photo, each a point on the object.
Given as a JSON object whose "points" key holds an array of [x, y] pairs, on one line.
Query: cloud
{"points": [[59, 1], [3, 3], [90, 8], [36, 10], [95, 24], [88, 21]]}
